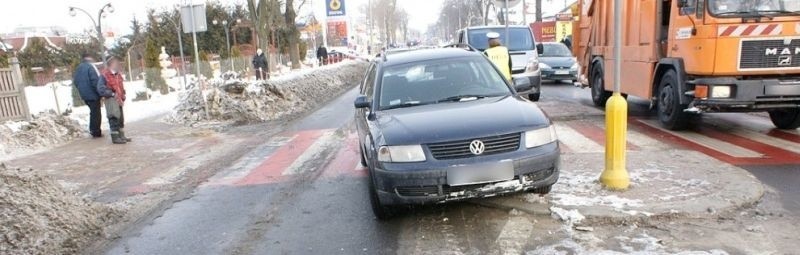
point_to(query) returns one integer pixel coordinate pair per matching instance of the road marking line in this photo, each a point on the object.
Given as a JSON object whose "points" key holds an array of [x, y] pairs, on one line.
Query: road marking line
{"points": [[596, 133], [514, 235], [575, 141], [708, 142], [770, 140], [322, 143], [272, 168]]}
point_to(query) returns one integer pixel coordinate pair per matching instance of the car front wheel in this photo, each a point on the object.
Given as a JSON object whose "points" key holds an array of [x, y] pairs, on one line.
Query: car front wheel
{"points": [[380, 210]]}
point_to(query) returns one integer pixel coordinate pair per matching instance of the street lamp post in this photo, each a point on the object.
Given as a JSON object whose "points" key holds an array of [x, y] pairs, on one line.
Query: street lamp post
{"points": [[105, 10], [227, 38], [180, 46]]}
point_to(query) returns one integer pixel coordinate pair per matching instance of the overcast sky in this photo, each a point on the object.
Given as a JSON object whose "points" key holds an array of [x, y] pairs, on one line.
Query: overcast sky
{"points": [[16, 13]]}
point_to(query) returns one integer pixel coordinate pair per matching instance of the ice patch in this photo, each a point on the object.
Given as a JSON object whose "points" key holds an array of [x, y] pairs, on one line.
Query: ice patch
{"points": [[571, 217]]}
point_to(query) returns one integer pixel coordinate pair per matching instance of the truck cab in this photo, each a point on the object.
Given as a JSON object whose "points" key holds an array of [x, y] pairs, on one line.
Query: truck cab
{"points": [[696, 56]]}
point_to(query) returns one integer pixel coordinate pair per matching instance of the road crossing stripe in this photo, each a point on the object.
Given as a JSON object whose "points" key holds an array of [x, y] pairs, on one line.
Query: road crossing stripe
{"points": [[574, 140], [707, 142], [595, 133], [347, 160], [784, 135], [786, 144], [299, 164], [773, 152], [272, 168]]}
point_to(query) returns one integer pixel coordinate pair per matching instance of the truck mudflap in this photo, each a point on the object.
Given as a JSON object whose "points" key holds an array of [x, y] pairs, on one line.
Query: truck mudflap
{"points": [[727, 94]]}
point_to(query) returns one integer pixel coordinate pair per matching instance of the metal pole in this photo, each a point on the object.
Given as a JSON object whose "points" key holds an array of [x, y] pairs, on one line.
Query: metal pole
{"points": [[228, 42], [505, 3], [180, 47], [100, 37], [197, 60], [617, 44], [525, 12]]}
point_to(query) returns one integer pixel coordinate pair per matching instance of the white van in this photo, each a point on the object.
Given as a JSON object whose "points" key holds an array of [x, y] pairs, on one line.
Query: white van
{"points": [[522, 48]]}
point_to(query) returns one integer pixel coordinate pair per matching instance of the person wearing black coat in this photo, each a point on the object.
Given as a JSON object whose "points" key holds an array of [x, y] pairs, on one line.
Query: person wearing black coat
{"points": [[260, 65], [322, 55], [85, 79]]}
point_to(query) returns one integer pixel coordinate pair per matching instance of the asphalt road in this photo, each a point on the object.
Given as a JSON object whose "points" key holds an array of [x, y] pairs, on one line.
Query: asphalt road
{"points": [[303, 192]]}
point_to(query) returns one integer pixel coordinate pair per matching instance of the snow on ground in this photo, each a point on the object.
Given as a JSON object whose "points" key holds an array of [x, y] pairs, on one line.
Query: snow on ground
{"points": [[38, 216], [42, 131]]}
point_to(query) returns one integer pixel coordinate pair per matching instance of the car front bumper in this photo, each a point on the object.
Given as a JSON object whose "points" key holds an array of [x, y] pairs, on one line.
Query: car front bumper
{"points": [[550, 74], [531, 82], [426, 182]]}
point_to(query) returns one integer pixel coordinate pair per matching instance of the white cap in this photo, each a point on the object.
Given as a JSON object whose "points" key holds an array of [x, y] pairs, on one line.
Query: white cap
{"points": [[493, 35], [259, 52]]}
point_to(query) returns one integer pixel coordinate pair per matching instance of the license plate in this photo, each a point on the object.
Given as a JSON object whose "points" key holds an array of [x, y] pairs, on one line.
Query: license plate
{"points": [[562, 72], [482, 173]]}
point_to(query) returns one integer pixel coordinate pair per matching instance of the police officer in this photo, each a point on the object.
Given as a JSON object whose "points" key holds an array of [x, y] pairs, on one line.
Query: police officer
{"points": [[498, 54]]}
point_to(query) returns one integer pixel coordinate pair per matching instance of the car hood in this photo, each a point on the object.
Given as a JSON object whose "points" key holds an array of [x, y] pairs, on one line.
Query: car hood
{"points": [[459, 120], [557, 61]]}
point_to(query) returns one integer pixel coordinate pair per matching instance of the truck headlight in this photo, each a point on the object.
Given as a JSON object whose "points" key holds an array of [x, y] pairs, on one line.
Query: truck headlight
{"points": [[721, 91], [539, 137], [402, 153]]}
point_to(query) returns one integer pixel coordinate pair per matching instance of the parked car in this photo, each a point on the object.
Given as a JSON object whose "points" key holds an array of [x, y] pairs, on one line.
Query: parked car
{"points": [[557, 63], [521, 46], [438, 125]]}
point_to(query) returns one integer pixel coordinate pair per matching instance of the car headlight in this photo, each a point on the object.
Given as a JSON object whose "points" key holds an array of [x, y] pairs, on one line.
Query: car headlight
{"points": [[574, 66], [540, 137], [544, 66], [402, 153], [533, 65]]}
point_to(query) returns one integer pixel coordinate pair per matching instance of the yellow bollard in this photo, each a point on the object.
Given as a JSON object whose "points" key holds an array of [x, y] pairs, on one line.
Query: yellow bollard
{"points": [[615, 176]]}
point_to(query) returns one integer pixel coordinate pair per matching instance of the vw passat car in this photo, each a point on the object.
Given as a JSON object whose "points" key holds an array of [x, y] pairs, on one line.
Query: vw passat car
{"points": [[443, 124]]}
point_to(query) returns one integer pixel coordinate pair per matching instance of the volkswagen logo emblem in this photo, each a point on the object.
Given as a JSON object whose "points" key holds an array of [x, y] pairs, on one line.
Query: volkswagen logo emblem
{"points": [[476, 147]]}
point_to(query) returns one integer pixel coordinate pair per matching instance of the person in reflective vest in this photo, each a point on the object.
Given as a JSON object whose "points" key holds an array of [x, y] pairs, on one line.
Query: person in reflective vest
{"points": [[498, 54]]}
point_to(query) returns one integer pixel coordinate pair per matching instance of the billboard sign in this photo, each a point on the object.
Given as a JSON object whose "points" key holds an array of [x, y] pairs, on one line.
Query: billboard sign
{"points": [[544, 31], [334, 8]]}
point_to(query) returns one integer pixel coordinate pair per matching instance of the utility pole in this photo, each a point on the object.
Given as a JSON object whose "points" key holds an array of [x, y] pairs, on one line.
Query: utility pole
{"points": [[505, 6], [615, 176]]}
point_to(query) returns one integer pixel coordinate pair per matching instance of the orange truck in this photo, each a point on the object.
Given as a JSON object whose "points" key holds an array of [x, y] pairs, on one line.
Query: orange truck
{"points": [[694, 56]]}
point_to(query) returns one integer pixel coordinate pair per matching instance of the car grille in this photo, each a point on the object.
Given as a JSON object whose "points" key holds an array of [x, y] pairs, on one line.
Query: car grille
{"points": [[418, 191], [460, 149], [754, 54]]}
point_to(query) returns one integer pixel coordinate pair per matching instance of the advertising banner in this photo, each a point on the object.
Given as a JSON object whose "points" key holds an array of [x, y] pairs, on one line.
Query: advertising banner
{"points": [[334, 8]]}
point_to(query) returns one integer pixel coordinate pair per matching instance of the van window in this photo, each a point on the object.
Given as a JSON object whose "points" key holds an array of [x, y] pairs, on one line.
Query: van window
{"points": [[521, 38]]}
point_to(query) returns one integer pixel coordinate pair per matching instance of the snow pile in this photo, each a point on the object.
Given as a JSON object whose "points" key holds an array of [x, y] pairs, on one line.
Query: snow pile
{"points": [[37, 216], [44, 130], [239, 102]]}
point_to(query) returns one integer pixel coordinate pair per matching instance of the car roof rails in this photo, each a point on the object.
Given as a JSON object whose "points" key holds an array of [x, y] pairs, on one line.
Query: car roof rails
{"points": [[461, 46]]}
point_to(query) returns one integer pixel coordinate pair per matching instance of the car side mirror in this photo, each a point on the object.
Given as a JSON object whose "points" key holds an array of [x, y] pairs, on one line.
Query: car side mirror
{"points": [[539, 48], [362, 102]]}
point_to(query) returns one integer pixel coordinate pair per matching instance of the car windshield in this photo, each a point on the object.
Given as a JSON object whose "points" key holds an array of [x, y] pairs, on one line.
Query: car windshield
{"points": [[555, 50], [445, 80], [751, 7], [520, 38]]}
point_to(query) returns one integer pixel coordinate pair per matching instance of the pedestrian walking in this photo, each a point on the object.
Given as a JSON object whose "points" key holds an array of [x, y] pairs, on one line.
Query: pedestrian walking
{"points": [[261, 65], [85, 79], [498, 54], [110, 87], [322, 55]]}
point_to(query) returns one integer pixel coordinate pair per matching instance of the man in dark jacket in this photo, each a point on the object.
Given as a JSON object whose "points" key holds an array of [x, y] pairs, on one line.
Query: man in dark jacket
{"points": [[110, 87], [261, 65], [85, 79], [322, 55]]}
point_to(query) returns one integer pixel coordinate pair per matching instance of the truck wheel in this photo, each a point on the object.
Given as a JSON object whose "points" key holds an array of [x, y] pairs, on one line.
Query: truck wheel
{"points": [[670, 110], [785, 118], [599, 93], [381, 211]]}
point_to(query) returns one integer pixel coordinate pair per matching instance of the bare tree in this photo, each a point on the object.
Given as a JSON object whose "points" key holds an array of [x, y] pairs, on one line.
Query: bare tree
{"points": [[294, 35]]}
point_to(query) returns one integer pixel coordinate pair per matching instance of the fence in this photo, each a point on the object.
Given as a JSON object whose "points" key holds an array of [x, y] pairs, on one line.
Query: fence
{"points": [[13, 105]]}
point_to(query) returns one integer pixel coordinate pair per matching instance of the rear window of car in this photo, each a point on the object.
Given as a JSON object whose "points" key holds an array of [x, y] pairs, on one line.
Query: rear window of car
{"points": [[520, 38], [427, 82], [555, 50]]}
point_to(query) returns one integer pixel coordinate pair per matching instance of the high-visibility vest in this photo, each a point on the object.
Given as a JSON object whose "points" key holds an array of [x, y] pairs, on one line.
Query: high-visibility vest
{"points": [[499, 56]]}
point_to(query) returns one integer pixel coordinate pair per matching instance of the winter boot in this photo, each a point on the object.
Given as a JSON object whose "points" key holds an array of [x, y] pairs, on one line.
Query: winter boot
{"points": [[122, 134], [116, 138]]}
